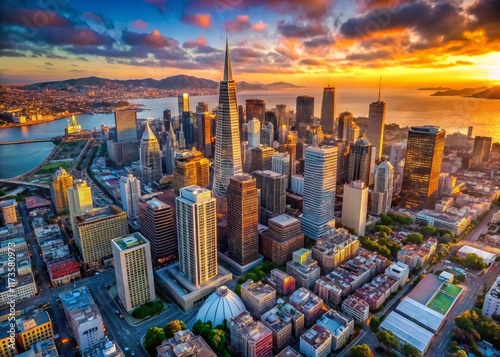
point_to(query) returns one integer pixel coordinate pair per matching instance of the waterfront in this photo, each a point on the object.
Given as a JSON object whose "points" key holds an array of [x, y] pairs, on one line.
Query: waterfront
{"points": [[404, 106]]}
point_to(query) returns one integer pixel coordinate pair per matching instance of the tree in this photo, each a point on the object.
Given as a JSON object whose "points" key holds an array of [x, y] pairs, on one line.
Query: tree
{"points": [[474, 261], [172, 327], [153, 338], [410, 351], [217, 339], [461, 353], [202, 329], [386, 220], [387, 338], [415, 238], [374, 323], [361, 351], [428, 231], [445, 238], [383, 228]]}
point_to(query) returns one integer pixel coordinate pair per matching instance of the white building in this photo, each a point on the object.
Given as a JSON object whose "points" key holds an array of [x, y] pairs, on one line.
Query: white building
{"points": [[341, 327], [487, 257], [130, 191], [491, 304], [354, 206], [383, 189], [316, 342], [297, 184], [197, 234], [253, 133], [133, 270], [399, 271], [281, 163]]}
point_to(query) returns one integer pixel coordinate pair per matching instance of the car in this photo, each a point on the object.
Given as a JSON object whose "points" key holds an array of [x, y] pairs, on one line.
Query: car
{"points": [[121, 316]]}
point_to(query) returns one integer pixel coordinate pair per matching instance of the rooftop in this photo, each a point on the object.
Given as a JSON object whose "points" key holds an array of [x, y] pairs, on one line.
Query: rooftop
{"points": [[426, 289], [335, 322], [481, 253], [31, 320], [284, 220], [63, 268], [422, 315], [104, 348], [44, 348], [258, 289], [99, 213], [7, 203], [407, 330], [130, 241], [185, 343], [316, 336], [78, 304], [288, 352]]}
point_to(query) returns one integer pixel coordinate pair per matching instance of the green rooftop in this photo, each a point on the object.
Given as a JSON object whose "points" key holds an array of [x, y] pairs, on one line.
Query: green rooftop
{"points": [[130, 241]]}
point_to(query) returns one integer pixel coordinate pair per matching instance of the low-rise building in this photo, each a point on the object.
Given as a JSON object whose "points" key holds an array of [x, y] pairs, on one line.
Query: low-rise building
{"points": [[184, 343], [258, 297], [16, 244], [288, 352], [417, 255], [356, 307], [44, 348], [304, 269], [316, 342], [377, 291], [491, 305], [399, 271], [33, 327], [282, 282], [340, 325], [446, 220], [250, 338], [308, 303], [64, 271], [285, 322], [334, 249], [24, 286], [487, 257]]}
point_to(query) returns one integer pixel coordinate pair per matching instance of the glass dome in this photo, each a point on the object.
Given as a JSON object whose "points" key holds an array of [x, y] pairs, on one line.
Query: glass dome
{"points": [[222, 304]]}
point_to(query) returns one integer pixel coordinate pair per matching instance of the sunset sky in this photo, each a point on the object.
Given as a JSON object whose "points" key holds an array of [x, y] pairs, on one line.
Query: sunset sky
{"points": [[352, 42]]}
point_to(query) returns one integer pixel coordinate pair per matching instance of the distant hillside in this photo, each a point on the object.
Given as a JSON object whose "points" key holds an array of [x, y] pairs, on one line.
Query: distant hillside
{"points": [[179, 82], [459, 92], [434, 88], [490, 93]]}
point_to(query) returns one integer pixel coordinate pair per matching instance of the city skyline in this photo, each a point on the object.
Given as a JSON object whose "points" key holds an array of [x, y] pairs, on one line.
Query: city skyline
{"points": [[309, 44]]}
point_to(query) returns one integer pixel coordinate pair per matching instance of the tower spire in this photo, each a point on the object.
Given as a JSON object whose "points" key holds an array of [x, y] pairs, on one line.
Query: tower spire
{"points": [[228, 73], [379, 87]]}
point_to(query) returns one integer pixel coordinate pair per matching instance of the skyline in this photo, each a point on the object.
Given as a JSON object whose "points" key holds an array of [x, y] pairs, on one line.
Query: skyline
{"points": [[299, 42]]}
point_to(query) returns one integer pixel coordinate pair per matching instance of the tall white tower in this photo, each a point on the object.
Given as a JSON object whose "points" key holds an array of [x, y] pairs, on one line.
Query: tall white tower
{"points": [[354, 206], [130, 190], [253, 133], [382, 192]]}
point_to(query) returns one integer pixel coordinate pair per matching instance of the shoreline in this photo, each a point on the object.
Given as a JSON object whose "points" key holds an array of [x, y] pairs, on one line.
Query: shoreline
{"points": [[17, 125]]}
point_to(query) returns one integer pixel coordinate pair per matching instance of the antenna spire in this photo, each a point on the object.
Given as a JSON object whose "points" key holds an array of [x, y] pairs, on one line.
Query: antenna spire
{"points": [[228, 73], [379, 87]]}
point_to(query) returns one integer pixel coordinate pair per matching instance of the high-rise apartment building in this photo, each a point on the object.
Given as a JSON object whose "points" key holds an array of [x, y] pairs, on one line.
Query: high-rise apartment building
{"points": [[328, 110], [360, 160], [283, 237], [133, 270], [491, 305], [383, 189], [150, 160], [376, 123], [183, 103], [255, 109], [197, 234], [95, 229], [319, 191], [305, 110], [272, 187], [262, 157], [126, 125], [130, 190], [61, 181], [253, 132], [424, 155], [281, 115], [191, 168], [157, 225], [243, 219], [481, 150], [227, 161], [354, 206]]}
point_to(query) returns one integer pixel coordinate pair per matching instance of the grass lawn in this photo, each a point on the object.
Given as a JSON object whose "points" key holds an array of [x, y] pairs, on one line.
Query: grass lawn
{"points": [[441, 303], [451, 289], [52, 167]]}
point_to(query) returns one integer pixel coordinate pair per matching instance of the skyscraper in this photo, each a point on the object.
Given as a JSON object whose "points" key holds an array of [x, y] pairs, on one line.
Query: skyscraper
{"points": [[360, 161], [204, 132], [267, 134], [481, 150], [79, 200], [169, 149], [281, 115], [424, 155], [328, 110], [376, 123], [150, 161], [255, 108], [262, 158], [133, 270], [61, 181], [191, 168], [227, 160], [157, 225], [348, 130], [253, 126], [130, 190], [354, 206], [197, 234], [305, 110], [319, 191], [183, 103], [243, 219], [281, 163], [383, 190], [272, 187], [126, 125]]}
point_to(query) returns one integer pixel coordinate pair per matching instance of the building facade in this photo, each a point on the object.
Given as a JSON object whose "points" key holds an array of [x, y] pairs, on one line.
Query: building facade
{"points": [[355, 206], [61, 181], [328, 110], [149, 157], [383, 188], [130, 190]]}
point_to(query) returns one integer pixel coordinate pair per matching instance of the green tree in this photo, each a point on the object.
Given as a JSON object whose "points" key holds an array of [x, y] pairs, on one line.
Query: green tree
{"points": [[461, 353], [387, 338], [410, 351], [153, 338], [386, 220], [383, 228], [374, 323], [217, 339], [202, 329], [237, 290], [415, 238], [428, 231], [445, 238], [2, 193], [362, 350], [474, 261], [172, 327]]}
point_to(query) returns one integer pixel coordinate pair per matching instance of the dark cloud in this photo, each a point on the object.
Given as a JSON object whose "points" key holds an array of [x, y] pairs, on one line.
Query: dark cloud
{"points": [[99, 19], [33, 19], [369, 56], [300, 30], [486, 15], [241, 23], [153, 39], [48, 64], [321, 41], [312, 62]]}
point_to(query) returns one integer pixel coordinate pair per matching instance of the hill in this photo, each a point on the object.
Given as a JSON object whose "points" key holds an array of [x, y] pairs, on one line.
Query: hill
{"points": [[490, 93], [459, 92]]}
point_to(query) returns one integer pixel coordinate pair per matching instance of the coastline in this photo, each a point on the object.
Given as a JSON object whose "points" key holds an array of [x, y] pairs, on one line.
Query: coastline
{"points": [[17, 125]]}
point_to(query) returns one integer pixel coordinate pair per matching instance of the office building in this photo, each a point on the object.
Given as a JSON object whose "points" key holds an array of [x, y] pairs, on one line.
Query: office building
{"points": [[316, 342], [284, 321], [60, 182], [157, 226], [281, 164], [9, 211], [360, 160], [183, 103], [123, 152], [227, 161], [43, 348], [262, 157], [328, 110], [79, 197], [491, 305], [257, 297], [376, 125], [243, 219], [204, 132], [95, 230], [424, 154], [347, 128], [283, 237], [169, 149], [481, 150], [126, 125], [197, 234], [355, 206], [340, 325], [272, 187], [32, 328], [253, 132], [8, 346], [334, 249], [104, 348], [319, 191], [187, 126], [250, 338], [130, 190], [281, 115], [255, 109], [133, 270], [83, 317], [150, 161], [282, 282], [304, 110], [267, 134], [356, 307], [25, 286], [191, 168], [184, 343], [383, 188], [303, 268]]}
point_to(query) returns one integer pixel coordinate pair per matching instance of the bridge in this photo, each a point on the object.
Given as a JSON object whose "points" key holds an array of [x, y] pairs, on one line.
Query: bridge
{"points": [[27, 141], [22, 183]]}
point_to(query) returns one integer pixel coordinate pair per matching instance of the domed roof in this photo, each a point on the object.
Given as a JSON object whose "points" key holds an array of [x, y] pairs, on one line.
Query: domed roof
{"points": [[222, 304]]}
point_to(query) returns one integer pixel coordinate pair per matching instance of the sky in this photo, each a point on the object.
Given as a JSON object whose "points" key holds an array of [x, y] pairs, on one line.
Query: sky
{"points": [[305, 42]]}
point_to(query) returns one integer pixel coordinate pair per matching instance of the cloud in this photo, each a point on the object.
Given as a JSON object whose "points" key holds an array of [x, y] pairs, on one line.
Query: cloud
{"points": [[153, 39], [106, 22], [241, 23], [33, 19], [486, 16], [139, 24], [75, 36], [319, 42], [201, 20], [312, 62], [200, 46], [48, 64], [369, 56], [298, 30], [259, 26]]}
